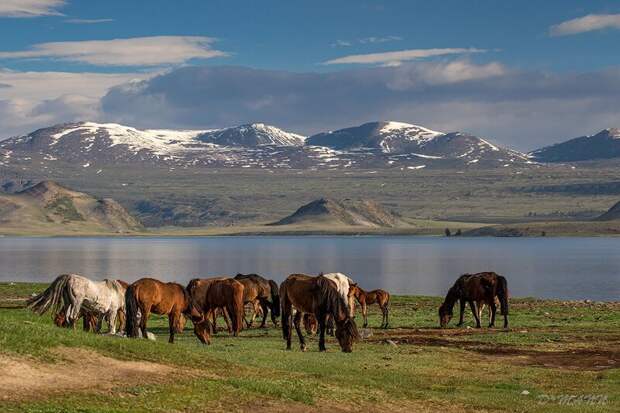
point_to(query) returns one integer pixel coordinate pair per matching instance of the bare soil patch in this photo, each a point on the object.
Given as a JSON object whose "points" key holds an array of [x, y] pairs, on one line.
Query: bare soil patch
{"points": [[81, 369], [593, 358]]}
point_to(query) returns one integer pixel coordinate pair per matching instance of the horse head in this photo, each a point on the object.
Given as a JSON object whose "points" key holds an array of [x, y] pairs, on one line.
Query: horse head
{"points": [[346, 334], [445, 315]]}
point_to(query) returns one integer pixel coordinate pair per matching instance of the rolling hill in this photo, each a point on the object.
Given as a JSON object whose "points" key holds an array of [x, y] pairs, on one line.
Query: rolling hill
{"points": [[48, 206], [602, 145], [348, 212]]}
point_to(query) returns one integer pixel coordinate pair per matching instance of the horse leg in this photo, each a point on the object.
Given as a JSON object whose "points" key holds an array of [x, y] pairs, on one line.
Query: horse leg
{"points": [[329, 322], [144, 315], [172, 317], [474, 310], [385, 311], [462, 313], [322, 326], [286, 324], [297, 323], [492, 310], [265, 307], [227, 320], [112, 321], [365, 314]]}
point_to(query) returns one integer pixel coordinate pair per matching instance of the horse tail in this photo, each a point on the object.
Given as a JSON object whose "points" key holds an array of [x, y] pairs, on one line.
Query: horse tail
{"points": [[502, 293], [51, 297], [275, 298], [131, 311]]}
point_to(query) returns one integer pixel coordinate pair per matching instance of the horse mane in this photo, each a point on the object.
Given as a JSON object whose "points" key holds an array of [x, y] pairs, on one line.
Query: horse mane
{"points": [[330, 297], [454, 293]]}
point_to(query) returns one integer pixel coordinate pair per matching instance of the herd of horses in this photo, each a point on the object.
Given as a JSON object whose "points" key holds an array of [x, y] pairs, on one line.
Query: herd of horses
{"points": [[325, 304]]}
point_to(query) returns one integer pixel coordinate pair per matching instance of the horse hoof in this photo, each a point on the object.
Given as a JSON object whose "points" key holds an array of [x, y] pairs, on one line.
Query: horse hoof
{"points": [[303, 348]]}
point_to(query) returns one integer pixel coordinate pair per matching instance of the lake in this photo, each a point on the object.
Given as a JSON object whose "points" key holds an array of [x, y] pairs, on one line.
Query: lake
{"points": [[564, 268]]}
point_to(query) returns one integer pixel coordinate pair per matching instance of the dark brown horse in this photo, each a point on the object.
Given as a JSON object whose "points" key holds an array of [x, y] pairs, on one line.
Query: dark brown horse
{"points": [[147, 296], [380, 297], [207, 295], [476, 289], [263, 291], [90, 320], [320, 297]]}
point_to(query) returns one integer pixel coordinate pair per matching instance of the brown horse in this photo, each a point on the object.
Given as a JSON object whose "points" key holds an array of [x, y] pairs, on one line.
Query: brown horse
{"points": [[380, 297], [147, 296], [476, 289], [264, 292], [318, 296], [207, 295], [90, 320]]}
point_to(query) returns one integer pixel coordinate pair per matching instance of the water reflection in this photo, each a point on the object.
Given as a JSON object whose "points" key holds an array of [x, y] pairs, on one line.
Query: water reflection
{"points": [[571, 268]]}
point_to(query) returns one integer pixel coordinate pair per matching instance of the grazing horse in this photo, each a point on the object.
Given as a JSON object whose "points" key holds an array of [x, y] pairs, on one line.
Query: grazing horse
{"points": [[317, 296], [210, 294], [72, 293], [380, 297], [265, 293], [476, 289], [147, 296], [90, 320]]}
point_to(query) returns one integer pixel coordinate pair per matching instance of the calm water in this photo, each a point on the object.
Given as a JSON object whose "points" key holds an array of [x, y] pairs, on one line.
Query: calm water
{"points": [[567, 268]]}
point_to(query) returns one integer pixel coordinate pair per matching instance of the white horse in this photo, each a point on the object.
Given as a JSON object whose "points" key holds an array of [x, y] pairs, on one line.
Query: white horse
{"points": [[74, 292], [343, 283]]}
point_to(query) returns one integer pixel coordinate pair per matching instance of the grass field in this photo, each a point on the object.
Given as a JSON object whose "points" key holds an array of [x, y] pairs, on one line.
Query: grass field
{"points": [[557, 356]]}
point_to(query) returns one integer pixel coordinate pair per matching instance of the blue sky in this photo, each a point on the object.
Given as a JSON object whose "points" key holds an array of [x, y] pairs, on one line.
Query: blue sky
{"points": [[521, 73]]}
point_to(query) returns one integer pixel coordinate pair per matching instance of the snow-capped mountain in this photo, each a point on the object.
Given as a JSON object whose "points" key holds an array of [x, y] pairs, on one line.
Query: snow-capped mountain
{"points": [[255, 134], [603, 145], [397, 138], [372, 145], [389, 137]]}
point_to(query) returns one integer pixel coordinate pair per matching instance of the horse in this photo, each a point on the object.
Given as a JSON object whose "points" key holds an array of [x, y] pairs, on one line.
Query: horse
{"points": [[380, 297], [73, 293], [476, 289], [207, 295], [265, 293], [90, 321], [310, 324], [147, 296], [318, 296], [343, 284]]}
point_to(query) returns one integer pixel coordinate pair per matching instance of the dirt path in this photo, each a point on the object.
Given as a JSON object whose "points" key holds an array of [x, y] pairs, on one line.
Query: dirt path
{"points": [[81, 369]]}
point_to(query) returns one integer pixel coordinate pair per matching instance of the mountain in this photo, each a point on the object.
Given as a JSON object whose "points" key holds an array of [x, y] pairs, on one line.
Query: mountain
{"points": [[252, 135], [374, 145], [345, 212], [603, 145], [50, 206], [397, 138], [612, 214]]}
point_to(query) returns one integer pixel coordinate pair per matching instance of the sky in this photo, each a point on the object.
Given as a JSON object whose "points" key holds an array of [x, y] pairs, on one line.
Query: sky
{"points": [[523, 74]]}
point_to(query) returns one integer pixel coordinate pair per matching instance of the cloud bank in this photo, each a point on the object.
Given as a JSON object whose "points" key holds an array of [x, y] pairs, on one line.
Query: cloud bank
{"points": [[588, 23], [519, 108]]}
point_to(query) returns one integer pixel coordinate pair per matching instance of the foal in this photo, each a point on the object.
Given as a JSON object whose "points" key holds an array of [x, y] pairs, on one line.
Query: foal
{"points": [[380, 297], [476, 289]]}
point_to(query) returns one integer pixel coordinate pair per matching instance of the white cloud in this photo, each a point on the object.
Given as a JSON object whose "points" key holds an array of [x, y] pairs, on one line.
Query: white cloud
{"points": [[383, 39], [88, 21], [30, 8], [30, 100], [341, 43], [587, 23], [137, 51], [396, 58]]}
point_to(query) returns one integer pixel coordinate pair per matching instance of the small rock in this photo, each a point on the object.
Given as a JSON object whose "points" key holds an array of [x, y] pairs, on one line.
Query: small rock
{"points": [[33, 294], [587, 301], [523, 331], [390, 342], [547, 314], [525, 392], [150, 336], [469, 327], [365, 333], [11, 283]]}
